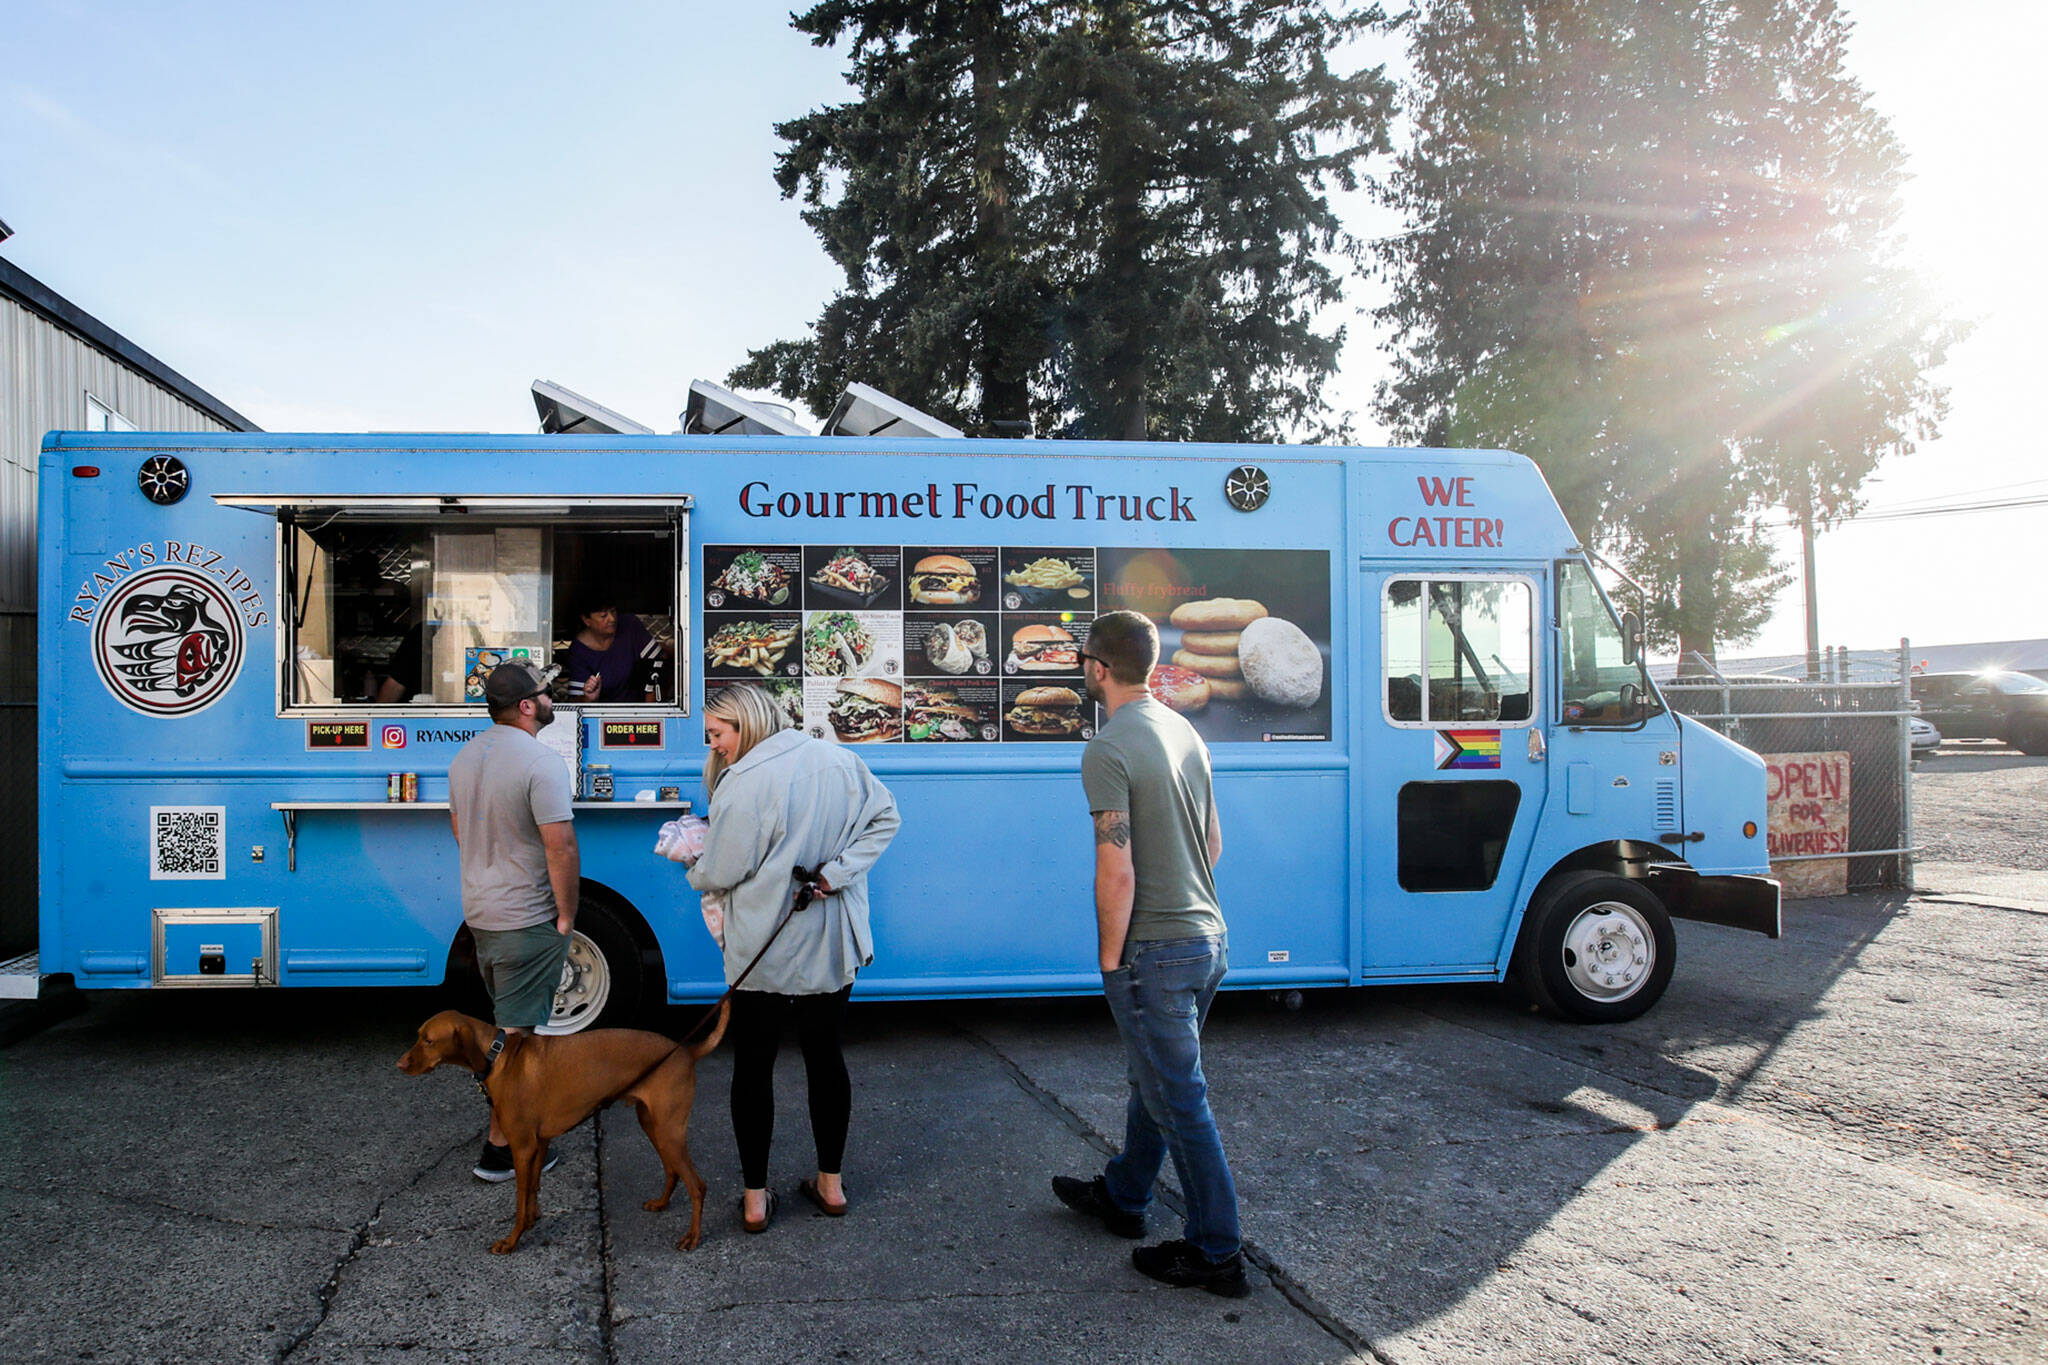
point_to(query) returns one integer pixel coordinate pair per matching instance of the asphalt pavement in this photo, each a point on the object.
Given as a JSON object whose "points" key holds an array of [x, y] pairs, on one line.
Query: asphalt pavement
{"points": [[1825, 1148]]}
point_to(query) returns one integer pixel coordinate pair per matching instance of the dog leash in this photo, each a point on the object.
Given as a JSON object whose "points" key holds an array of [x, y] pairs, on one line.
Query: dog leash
{"points": [[806, 892]]}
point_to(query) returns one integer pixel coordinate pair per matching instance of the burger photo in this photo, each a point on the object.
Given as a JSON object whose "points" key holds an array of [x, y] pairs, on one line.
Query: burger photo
{"points": [[944, 581], [1045, 711], [938, 713], [1045, 649], [866, 710]]}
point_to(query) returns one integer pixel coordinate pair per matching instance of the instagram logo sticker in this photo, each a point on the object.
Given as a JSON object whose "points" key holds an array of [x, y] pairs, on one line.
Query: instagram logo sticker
{"points": [[394, 736]]}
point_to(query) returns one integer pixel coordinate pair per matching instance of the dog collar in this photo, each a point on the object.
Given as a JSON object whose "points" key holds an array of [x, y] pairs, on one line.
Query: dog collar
{"points": [[490, 1061]]}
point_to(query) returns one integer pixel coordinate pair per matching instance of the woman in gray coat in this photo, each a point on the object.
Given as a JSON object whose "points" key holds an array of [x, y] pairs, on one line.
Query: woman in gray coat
{"points": [[778, 801]]}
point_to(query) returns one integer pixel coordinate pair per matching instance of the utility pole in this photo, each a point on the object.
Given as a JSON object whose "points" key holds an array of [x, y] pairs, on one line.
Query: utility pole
{"points": [[1812, 592]]}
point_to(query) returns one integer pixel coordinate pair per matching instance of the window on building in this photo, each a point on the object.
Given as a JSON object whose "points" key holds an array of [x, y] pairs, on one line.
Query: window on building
{"points": [[1459, 651], [392, 609], [101, 417]]}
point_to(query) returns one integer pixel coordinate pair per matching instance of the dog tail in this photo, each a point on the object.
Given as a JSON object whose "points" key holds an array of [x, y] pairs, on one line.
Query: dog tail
{"points": [[703, 1049]]}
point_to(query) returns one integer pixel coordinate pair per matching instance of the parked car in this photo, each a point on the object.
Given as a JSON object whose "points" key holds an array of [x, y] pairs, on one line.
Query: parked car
{"points": [[1926, 739], [2009, 707]]}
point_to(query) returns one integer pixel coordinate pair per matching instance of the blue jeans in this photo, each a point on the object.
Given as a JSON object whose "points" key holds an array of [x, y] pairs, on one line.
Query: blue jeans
{"points": [[1160, 998]]}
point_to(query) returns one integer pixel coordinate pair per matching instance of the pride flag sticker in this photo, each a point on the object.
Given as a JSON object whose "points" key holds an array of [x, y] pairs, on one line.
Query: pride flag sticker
{"points": [[1457, 749]]}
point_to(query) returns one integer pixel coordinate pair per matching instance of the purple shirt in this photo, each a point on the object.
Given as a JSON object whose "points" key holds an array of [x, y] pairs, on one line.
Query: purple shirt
{"points": [[613, 665]]}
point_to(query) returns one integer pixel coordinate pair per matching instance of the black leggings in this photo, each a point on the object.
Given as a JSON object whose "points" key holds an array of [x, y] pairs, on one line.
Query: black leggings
{"points": [[756, 1034]]}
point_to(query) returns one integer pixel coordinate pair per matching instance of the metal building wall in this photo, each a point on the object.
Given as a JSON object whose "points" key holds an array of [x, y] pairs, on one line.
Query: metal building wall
{"points": [[45, 374]]}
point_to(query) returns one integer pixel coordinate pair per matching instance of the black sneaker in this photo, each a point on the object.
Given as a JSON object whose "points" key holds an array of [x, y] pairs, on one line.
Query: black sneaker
{"points": [[1180, 1265], [495, 1164], [1092, 1198]]}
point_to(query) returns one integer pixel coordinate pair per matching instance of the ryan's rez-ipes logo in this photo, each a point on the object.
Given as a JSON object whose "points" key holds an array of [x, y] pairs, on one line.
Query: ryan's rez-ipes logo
{"points": [[167, 642]]}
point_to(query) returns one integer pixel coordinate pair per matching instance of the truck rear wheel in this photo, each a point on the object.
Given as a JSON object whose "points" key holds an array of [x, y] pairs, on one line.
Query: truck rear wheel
{"points": [[1596, 948], [603, 985]]}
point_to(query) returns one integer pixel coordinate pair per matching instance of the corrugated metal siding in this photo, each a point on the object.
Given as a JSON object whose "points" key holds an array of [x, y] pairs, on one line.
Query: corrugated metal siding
{"points": [[45, 374]]}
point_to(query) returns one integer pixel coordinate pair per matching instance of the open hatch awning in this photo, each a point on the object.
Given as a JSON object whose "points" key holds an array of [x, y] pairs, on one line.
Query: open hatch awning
{"points": [[520, 504]]}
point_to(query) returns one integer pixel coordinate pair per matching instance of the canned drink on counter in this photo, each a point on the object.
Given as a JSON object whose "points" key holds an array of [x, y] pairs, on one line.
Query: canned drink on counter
{"points": [[394, 787], [600, 781], [671, 793], [412, 786]]}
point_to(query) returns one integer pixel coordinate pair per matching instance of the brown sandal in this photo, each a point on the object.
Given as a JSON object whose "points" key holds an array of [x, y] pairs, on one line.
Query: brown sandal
{"points": [[809, 1189], [751, 1226]]}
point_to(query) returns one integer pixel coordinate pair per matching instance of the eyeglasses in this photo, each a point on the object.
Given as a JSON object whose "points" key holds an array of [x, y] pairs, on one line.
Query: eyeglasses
{"points": [[1085, 658]]}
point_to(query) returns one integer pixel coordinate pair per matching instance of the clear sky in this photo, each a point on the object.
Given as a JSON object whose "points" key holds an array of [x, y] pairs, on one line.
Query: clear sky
{"points": [[390, 216]]}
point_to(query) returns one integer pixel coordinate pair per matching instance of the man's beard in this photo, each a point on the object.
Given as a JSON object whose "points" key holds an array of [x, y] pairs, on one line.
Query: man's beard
{"points": [[543, 711]]}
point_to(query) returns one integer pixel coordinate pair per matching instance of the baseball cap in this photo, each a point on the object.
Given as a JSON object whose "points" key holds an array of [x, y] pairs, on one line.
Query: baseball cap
{"points": [[514, 681]]}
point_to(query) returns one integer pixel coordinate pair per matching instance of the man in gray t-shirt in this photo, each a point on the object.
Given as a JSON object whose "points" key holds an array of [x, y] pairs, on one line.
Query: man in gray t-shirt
{"points": [[1160, 944], [509, 805]]}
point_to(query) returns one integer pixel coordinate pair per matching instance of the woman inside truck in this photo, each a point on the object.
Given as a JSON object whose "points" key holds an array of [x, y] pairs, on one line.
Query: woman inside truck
{"points": [[611, 657]]}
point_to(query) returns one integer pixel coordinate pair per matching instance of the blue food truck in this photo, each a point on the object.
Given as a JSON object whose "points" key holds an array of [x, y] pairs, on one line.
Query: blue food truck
{"points": [[1438, 756]]}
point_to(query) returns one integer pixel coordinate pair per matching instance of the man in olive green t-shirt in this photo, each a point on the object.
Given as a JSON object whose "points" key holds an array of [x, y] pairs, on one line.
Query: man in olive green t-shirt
{"points": [[1160, 944]]}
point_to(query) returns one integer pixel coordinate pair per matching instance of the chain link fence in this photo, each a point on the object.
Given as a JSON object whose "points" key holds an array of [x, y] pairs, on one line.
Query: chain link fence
{"points": [[1854, 702]]}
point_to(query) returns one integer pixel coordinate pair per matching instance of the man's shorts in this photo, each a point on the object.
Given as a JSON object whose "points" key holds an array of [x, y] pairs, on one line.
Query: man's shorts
{"points": [[521, 968]]}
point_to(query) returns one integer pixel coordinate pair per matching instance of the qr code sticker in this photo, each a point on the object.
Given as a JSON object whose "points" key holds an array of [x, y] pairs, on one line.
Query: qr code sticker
{"points": [[188, 843]]}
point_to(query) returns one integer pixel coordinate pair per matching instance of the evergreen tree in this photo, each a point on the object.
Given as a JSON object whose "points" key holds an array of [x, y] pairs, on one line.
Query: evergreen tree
{"points": [[1147, 242], [916, 189], [1652, 246]]}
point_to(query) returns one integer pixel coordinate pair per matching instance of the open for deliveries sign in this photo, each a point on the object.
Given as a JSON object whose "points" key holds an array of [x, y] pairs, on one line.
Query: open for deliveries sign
{"points": [[1809, 815]]}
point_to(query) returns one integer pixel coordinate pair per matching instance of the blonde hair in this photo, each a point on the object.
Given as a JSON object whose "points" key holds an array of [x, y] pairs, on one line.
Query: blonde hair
{"points": [[747, 709]]}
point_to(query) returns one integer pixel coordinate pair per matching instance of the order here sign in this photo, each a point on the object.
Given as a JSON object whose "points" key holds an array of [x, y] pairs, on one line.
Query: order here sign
{"points": [[1809, 815]]}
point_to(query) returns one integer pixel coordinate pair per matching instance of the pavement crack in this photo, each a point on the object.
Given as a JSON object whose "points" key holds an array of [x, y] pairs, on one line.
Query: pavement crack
{"points": [[1498, 1139], [1050, 1102], [608, 1271], [1550, 1296], [201, 1215], [1289, 1288], [1963, 899], [358, 1238], [957, 1295]]}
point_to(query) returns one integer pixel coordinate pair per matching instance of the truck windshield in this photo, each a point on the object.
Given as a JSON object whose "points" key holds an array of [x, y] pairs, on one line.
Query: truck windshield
{"points": [[388, 610], [1596, 683]]}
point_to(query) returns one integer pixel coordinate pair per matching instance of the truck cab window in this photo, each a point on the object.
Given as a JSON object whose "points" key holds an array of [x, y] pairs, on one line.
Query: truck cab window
{"points": [[1459, 651], [1597, 683], [389, 610]]}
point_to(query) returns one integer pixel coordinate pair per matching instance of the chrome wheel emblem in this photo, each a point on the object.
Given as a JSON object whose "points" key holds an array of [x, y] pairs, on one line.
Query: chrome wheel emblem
{"points": [[1247, 488], [163, 479]]}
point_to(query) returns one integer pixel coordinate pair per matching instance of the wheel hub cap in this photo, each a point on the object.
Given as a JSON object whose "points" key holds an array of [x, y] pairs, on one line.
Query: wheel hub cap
{"points": [[1609, 951], [581, 993]]}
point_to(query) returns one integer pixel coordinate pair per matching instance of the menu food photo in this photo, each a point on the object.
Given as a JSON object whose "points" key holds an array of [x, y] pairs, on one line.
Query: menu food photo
{"points": [[979, 644]]}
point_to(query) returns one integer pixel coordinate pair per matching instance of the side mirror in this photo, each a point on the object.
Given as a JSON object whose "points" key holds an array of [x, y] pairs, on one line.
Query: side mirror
{"points": [[1631, 637]]}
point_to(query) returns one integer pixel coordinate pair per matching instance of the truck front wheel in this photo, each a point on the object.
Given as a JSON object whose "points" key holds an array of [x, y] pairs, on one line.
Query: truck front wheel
{"points": [[1596, 948]]}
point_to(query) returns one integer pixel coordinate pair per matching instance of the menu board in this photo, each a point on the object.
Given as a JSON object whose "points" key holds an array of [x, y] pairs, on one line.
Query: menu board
{"points": [[982, 644]]}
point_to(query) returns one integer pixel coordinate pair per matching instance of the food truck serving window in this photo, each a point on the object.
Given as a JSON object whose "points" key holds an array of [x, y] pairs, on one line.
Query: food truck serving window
{"points": [[393, 605], [1459, 650]]}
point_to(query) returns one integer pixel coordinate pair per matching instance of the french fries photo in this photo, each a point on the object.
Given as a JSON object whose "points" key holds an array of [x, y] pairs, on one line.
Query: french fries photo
{"points": [[1044, 573], [755, 645]]}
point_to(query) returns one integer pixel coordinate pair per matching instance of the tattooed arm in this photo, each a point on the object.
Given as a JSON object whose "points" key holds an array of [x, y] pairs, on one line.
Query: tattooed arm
{"points": [[1115, 884]]}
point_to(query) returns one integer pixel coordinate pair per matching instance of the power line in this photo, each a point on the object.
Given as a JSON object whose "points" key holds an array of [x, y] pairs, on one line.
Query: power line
{"points": [[1910, 511], [1949, 509]]}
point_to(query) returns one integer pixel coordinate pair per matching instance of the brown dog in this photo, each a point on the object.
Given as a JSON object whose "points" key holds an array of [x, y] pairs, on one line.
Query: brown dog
{"points": [[541, 1087]]}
